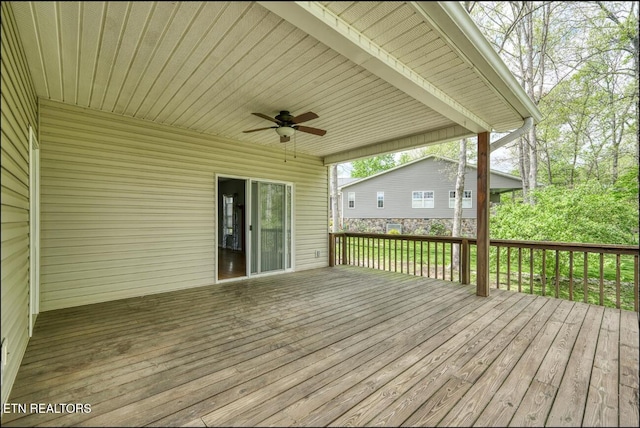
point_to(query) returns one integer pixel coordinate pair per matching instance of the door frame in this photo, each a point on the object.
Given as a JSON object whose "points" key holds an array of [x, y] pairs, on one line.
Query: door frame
{"points": [[247, 232]]}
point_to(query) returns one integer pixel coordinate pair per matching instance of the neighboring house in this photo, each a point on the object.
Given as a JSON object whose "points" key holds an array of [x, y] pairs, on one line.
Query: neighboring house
{"points": [[126, 168], [412, 197]]}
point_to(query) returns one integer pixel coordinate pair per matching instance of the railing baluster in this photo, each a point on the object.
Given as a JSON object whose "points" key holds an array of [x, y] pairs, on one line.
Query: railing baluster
{"points": [[354, 261], [635, 283], [435, 251], [618, 281], [372, 259], [571, 275], [544, 272], [497, 267], [601, 279], [345, 255], [395, 255], [586, 278], [365, 251], [465, 269], [519, 269], [451, 261], [384, 254], [429, 259], [530, 270], [444, 260], [508, 268], [557, 282], [421, 259], [414, 258], [402, 256]]}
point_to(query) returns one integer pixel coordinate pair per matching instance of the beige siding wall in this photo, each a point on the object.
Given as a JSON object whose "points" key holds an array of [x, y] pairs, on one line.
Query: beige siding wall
{"points": [[19, 110], [128, 206]]}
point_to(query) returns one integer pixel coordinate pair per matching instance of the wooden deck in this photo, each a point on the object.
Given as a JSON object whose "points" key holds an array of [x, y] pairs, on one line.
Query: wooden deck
{"points": [[337, 346]]}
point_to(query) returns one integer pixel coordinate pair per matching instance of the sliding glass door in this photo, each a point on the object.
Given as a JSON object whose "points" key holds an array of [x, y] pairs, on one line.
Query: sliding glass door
{"points": [[270, 227]]}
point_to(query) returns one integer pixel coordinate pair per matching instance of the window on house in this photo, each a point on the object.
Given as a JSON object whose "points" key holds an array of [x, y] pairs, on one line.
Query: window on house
{"points": [[466, 199], [394, 226], [422, 199], [351, 201], [380, 199]]}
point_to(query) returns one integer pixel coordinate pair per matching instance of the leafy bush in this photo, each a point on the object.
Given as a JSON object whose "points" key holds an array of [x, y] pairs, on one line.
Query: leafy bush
{"points": [[438, 229], [587, 213]]}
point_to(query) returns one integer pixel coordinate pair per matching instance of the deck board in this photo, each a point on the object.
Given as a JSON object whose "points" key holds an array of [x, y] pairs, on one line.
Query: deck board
{"points": [[342, 346]]}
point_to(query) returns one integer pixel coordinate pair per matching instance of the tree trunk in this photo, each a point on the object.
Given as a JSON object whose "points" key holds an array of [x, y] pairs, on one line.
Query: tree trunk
{"points": [[457, 211]]}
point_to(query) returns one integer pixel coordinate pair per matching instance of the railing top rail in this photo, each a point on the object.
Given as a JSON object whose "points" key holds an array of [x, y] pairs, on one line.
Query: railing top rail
{"points": [[403, 237], [546, 245], [569, 246]]}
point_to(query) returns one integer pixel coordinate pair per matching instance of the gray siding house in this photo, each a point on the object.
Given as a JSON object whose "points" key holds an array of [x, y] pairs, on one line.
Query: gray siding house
{"points": [[412, 197]]}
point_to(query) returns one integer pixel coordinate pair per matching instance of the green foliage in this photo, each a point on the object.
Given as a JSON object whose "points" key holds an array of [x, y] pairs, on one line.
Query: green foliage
{"points": [[393, 232], [587, 213], [439, 229], [372, 165], [626, 188]]}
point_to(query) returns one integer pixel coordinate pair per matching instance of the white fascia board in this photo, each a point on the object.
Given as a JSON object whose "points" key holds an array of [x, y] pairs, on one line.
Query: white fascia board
{"points": [[320, 23]]}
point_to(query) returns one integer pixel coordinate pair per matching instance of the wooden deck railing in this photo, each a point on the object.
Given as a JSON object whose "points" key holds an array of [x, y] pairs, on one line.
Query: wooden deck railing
{"points": [[601, 274]]}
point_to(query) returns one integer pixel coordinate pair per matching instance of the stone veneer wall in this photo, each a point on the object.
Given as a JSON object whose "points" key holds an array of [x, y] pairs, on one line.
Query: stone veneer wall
{"points": [[410, 226]]}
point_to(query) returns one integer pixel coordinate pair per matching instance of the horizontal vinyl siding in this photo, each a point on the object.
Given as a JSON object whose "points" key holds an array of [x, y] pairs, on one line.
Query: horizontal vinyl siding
{"points": [[128, 206], [435, 175], [19, 110], [398, 186]]}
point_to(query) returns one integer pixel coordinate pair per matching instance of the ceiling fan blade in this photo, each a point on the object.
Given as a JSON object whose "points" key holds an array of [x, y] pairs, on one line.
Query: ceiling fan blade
{"points": [[260, 129], [310, 130], [284, 139], [304, 117], [264, 116]]}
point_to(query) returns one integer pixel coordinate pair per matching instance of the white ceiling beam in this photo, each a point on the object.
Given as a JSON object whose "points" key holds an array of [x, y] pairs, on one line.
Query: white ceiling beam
{"points": [[400, 144], [320, 23]]}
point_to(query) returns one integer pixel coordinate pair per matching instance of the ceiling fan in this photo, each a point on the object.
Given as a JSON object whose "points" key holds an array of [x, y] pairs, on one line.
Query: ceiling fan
{"points": [[288, 124]]}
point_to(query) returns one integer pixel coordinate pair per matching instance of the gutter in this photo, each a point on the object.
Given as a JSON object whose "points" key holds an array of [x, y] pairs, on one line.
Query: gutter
{"points": [[528, 123]]}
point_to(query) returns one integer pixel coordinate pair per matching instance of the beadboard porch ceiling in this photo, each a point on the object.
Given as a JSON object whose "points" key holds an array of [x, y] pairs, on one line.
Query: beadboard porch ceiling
{"points": [[382, 76]]}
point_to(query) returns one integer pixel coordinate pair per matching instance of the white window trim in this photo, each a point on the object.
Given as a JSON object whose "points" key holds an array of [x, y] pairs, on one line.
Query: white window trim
{"points": [[423, 199], [466, 202], [351, 196], [378, 194]]}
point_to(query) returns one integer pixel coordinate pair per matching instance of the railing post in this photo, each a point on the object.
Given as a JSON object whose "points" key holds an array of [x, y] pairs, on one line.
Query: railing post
{"points": [[332, 250], [344, 249], [482, 218], [465, 262]]}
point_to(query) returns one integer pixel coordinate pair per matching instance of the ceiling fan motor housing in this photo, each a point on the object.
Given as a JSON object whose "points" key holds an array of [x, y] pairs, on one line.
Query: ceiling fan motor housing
{"points": [[285, 117]]}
